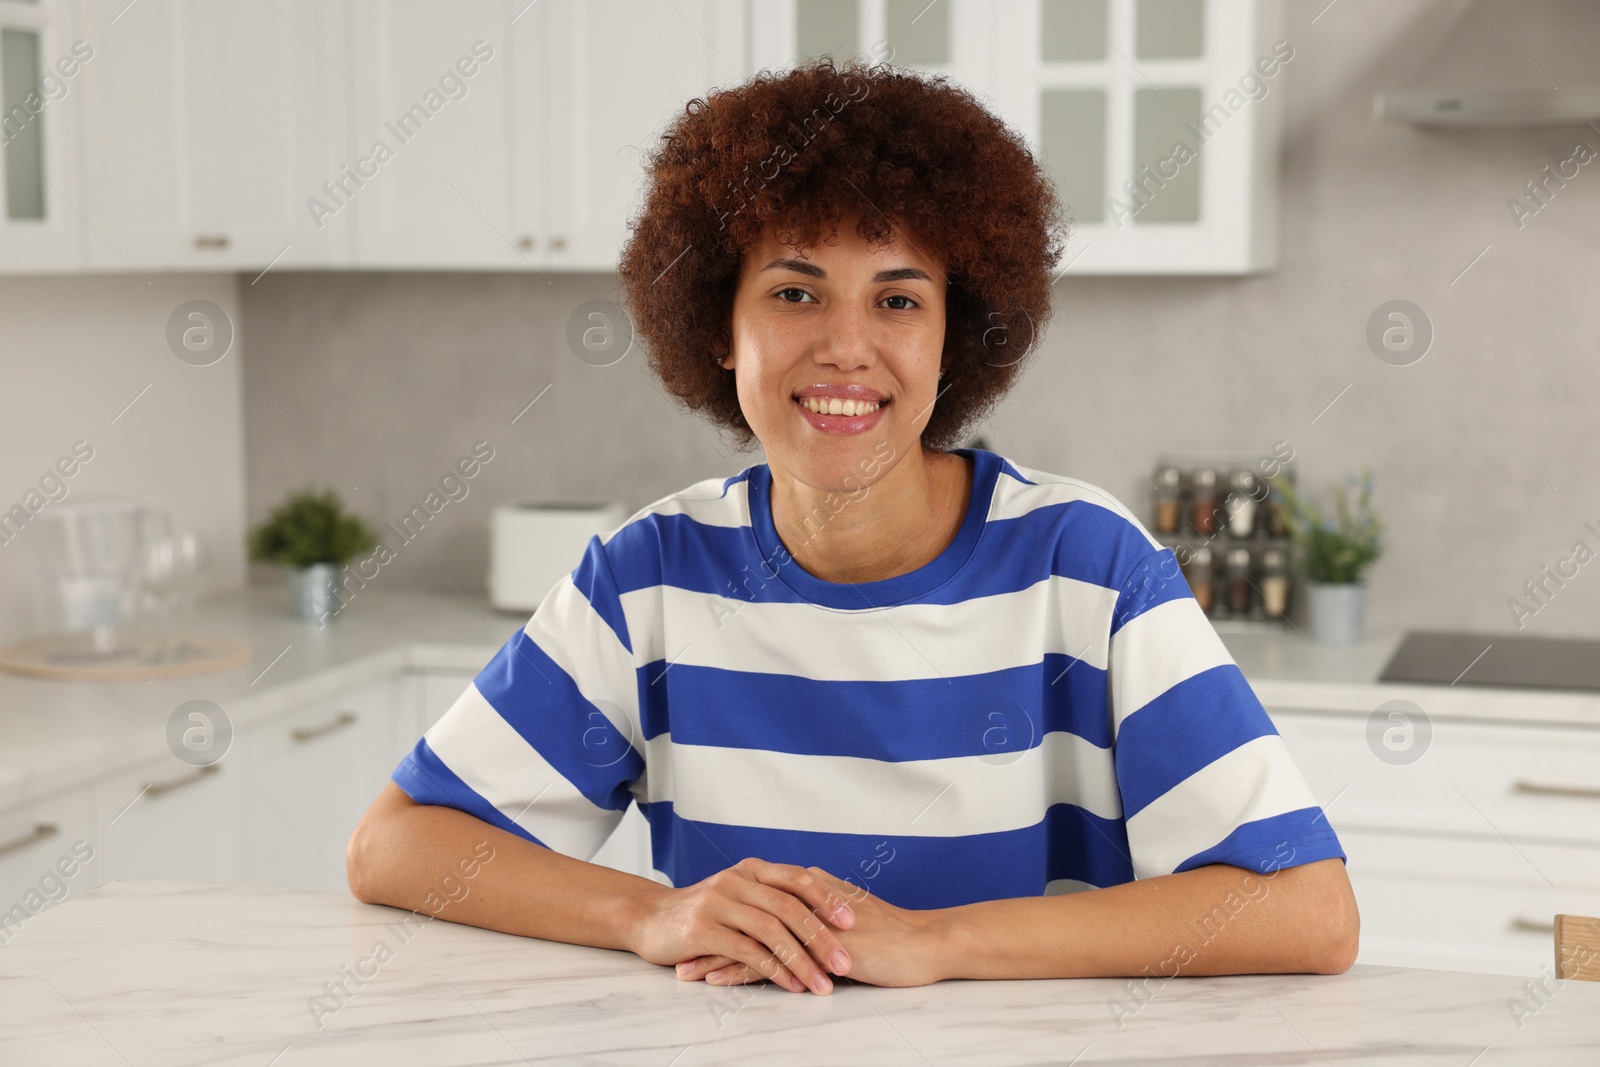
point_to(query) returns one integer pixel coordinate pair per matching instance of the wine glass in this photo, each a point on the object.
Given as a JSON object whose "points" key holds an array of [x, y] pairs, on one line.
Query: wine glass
{"points": [[191, 569]]}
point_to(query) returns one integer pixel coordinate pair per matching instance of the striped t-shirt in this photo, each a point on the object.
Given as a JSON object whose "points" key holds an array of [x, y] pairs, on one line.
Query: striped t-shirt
{"points": [[1042, 708]]}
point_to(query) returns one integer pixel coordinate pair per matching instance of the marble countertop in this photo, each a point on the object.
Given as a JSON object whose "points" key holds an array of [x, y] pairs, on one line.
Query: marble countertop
{"points": [[58, 735], [163, 973]]}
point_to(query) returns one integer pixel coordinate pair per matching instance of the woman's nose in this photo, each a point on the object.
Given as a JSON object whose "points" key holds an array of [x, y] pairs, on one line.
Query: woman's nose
{"points": [[848, 341]]}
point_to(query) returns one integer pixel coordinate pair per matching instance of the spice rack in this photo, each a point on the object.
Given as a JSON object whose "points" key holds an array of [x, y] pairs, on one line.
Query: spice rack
{"points": [[1225, 523]]}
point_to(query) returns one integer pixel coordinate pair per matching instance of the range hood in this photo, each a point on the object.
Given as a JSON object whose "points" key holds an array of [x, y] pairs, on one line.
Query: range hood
{"points": [[1506, 63]]}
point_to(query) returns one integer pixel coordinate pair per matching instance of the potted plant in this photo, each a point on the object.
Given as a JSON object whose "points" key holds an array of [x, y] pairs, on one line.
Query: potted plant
{"points": [[1333, 555], [313, 536]]}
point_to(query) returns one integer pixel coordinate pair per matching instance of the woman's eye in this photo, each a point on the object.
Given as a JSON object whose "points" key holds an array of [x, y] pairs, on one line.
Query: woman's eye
{"points": [[907, 306], [793, 295]]}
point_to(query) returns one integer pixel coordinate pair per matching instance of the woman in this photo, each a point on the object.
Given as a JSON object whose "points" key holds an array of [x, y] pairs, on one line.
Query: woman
{"points": [[894, 710]]}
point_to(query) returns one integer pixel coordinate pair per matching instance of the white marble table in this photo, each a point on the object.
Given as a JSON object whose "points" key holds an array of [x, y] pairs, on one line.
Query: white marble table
{"points": [[154, 973]]}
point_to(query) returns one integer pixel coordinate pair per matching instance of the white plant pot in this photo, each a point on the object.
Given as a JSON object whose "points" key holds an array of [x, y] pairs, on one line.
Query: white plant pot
{"points": [[1336, 612]]}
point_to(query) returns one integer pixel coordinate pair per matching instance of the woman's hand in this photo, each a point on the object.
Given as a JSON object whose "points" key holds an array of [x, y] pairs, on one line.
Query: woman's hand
{"points": [[765, 917], [888, 946]]}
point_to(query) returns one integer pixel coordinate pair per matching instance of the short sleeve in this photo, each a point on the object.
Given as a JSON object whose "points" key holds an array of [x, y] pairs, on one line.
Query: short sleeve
{"points": [[543, 741], [1204, 775]]}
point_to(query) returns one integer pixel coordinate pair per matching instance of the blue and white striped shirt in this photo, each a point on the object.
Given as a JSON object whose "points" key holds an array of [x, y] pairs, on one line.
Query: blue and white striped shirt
{"points": [[1042, 708]]}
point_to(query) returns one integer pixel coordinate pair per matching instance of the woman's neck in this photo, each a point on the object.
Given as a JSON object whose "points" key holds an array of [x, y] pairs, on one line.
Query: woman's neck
{"points": [[897, 524]]}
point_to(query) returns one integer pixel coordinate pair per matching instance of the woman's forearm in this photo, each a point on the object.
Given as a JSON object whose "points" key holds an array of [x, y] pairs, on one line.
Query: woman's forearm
{"points": [[446, 863], [1211, 920]]}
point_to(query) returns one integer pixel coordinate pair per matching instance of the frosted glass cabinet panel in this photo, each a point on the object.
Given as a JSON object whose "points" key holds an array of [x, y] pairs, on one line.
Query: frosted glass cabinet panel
{"points": [[1072, 132], [950, 37], [40, 229]]}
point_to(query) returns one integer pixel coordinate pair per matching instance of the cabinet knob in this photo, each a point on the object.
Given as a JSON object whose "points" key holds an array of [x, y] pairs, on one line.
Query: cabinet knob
{"points": [[311, 733], [558, 243], [525, 242], [156, 789], [1538, 789], [216, 241], [40, 832]]}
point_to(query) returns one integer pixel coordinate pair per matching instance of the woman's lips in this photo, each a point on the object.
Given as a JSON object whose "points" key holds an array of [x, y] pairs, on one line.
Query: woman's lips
{"points": [[842, 424]]}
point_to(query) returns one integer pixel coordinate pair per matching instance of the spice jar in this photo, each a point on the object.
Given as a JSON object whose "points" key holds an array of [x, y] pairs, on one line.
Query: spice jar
{"points": [[1197, 572], [1243, 492], [1275, 583], [1240, 595], [1203, 501], [1168, 481]]}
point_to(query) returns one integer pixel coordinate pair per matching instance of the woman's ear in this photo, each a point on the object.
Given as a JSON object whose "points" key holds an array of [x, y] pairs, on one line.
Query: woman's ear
{"points": [[721, 351]]}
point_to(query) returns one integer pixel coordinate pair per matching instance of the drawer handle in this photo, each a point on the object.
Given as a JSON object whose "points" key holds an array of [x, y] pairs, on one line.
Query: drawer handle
{"points": [[41, 832], [1537, 790], [156, 789], [1532, 926], [311, 733], [211, 240]]}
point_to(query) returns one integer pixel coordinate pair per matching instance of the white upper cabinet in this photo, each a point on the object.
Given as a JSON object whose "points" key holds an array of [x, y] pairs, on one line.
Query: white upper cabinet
{"points": [[1158, 120], [433, 115], [596, 81], [42, 60], [511, 134], [210, 126]]}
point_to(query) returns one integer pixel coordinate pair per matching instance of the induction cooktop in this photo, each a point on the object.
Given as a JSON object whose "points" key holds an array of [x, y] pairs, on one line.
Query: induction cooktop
{"points": [[1436, 657]]}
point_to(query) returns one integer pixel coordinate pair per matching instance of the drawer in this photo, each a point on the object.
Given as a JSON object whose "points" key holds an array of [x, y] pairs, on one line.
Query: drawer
{"points": [[167, 820], [1468, 904], [1465, 778], [46, 857]]}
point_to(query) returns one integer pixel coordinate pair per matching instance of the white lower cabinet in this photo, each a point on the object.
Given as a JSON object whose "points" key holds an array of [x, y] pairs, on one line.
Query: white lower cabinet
{"points": [[307, 779], [45, 857], [277, 809], [1461, 856], [167, 820]]}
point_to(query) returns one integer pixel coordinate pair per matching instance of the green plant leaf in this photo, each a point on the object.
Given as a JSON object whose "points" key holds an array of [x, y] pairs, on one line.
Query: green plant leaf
{"points": [[310, 527]]}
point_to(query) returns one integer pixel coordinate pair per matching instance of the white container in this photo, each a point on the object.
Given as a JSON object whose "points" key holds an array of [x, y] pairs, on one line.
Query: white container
{"points": [[533, 544]]}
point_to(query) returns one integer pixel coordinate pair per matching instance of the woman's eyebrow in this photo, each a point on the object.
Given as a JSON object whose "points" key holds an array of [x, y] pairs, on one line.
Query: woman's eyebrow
{"points": [[898, 274]]}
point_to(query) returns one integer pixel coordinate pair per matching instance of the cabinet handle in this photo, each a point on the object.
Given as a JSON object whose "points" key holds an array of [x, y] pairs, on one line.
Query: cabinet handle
{"points": [[310, 733], [525, 242], [211, 240], [558, 243], [41, 832], [1535, 789], [155, 789], [1532, 926]]}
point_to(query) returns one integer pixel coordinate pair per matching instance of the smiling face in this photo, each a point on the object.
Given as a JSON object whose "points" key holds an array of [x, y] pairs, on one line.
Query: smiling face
{"points": [[836, 351]]}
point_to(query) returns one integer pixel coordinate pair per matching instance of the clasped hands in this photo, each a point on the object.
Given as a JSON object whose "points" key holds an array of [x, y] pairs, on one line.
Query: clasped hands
{"points": [[792, 925]]}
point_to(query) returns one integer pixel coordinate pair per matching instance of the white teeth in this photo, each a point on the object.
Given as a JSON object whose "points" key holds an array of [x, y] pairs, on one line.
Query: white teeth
{"points": [[832, 405]]}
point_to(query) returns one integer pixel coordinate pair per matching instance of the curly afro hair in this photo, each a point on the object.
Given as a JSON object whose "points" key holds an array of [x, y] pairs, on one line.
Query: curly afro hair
{"points": [[799, 152]]}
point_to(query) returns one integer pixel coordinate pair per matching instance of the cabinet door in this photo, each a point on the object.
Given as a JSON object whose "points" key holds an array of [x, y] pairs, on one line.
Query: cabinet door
{"points": [[307, 780], [596, 81], [167, 820], [45, 857], [211, 128], [435, 105], [1158, 121], [41, 98]]}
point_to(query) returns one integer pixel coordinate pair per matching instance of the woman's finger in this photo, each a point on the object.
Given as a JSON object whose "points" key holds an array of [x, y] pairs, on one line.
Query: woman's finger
{"points": [[766, 943], [805, 883], [693, 970]]}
